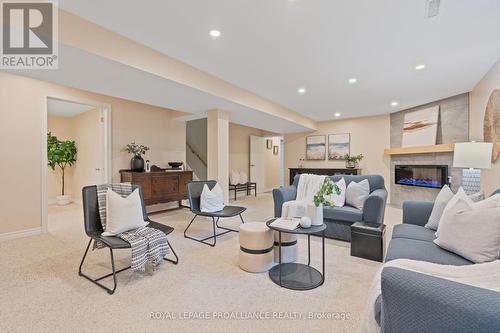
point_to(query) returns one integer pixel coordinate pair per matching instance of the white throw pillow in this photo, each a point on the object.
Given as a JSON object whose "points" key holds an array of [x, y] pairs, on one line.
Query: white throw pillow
{"points": [[211, 200], [491, 202], [357, 193], [123, 214], [471, 233], [338, 200], [460, 195], [234, 177], [440, 203], [243, 177]]}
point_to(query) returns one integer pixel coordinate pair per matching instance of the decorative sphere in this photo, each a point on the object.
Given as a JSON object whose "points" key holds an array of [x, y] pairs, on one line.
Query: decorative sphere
{"points": [[305, 222]]}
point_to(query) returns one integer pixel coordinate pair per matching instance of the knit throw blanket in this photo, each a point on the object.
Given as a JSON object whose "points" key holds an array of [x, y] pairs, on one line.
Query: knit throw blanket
{"points": [[307, 188], [148, 244]]}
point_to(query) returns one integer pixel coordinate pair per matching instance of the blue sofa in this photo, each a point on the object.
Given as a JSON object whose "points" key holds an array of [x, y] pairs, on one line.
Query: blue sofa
{"points": [[339, 219], [414, 302]]}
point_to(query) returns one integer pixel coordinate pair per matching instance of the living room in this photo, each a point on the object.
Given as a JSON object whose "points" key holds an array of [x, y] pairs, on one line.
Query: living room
{"points": [[250, 166]]}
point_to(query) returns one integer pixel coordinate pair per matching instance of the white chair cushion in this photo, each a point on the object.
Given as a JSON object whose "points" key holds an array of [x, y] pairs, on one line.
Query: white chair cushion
{"points": [[123, 214], [211, 200], [243, 177], [234, 177]]}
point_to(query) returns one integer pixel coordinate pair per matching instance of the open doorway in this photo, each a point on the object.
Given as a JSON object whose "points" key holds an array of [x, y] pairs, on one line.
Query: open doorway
{"points": [[77, 153]]}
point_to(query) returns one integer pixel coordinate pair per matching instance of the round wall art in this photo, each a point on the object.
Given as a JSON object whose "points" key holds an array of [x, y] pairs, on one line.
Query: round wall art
{"points": [[492, 123]]}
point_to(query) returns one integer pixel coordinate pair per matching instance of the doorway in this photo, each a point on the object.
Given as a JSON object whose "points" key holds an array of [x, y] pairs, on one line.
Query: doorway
{"points": [[267, 162], [78, 124]]}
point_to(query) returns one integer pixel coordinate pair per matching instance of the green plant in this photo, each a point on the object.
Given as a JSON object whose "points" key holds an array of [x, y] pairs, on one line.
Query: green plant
{"points": [[326, 189], [353, 158], [135, 149], [61, 154]]}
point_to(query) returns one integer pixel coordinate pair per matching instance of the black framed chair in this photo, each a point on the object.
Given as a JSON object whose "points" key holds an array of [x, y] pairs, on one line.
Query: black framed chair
{"points": [[194, 194], [93, 229]]}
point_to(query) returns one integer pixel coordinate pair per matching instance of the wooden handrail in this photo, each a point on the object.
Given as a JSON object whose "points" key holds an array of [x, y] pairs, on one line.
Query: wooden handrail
{"points": [[196, 154]]}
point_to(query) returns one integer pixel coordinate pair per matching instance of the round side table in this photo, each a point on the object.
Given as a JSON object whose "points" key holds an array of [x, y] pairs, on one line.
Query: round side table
{"points": [[298, 276]]}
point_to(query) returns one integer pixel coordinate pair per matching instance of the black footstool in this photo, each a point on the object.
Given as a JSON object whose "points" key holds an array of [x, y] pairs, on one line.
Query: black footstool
{"points": [[367, 241]]}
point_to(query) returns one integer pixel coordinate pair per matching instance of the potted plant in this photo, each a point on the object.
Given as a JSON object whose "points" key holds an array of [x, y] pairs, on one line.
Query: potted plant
{"points": [[321, 199], [351, 161], [137, 162], [61, 154]]}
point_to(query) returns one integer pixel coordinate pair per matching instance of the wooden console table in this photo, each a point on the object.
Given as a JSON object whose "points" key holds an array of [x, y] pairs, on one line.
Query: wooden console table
{"points": [[160, 186], [323, 171]]}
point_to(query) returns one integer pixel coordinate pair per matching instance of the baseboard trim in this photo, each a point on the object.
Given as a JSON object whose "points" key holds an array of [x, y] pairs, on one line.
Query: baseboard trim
{"points": [[20, 234]]}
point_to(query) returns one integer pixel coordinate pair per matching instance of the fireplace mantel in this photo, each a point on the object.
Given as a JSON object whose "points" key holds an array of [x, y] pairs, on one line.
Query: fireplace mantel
{"points": [[442, 148]]}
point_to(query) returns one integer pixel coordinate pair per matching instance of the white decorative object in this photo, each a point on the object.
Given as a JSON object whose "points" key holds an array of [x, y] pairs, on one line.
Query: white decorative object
{"points": [[420, 127], [473, 156], [305, 222], [357, 193], [123, 214], [315, 213], [212, 200]]}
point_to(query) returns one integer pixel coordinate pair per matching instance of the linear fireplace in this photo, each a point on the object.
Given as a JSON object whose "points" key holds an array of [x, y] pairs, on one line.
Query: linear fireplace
{"points": [[432, 176]]}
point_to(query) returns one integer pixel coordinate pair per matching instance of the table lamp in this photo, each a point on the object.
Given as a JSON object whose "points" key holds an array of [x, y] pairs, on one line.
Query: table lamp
{"points": [[472, 156]]}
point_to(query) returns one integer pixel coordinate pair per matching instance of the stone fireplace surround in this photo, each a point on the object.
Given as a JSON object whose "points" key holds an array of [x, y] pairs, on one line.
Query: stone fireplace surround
{"points": [[453, 127]]}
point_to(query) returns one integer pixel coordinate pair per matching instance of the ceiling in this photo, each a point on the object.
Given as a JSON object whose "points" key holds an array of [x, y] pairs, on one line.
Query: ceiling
{"points": [[56, 107], [274, 47]]}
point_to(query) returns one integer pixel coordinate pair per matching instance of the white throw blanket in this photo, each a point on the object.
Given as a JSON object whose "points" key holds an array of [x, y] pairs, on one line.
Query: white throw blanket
{"points": [[307, 188], [486, 276]]}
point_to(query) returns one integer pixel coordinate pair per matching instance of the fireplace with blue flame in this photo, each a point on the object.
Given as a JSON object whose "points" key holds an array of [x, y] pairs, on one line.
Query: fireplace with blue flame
{"points": [[431, 176]]}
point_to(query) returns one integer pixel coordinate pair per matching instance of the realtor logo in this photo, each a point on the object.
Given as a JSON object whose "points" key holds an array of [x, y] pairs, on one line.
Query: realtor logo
{"points": [[29, 35]]}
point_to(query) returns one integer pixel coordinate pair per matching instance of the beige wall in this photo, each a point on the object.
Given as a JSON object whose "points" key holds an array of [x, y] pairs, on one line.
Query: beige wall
{"points": [[369, 136], [490, 179], [239, 146], [62, 127], [23, 104]]}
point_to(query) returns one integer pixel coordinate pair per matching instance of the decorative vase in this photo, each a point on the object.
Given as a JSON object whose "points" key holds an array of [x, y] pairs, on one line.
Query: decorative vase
{"points": [[316, 214], [350, 164], [137, 163]]}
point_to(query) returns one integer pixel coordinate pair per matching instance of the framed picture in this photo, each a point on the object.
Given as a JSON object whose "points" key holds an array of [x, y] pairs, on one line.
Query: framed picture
{"points": [[269, 144], [338, 146], [275, 150], [316, 147], [420, 127]]}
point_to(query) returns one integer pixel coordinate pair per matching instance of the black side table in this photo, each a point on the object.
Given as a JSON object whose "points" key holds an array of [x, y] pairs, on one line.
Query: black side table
{"points": [[298, 276], [367, 241]]}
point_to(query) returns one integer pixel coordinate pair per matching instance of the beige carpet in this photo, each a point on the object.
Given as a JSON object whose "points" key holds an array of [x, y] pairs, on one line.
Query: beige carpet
{"points": [[40, 289]]}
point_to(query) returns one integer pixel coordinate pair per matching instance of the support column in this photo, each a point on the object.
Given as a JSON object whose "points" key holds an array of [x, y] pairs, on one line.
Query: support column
{"points": [[218, 149]]}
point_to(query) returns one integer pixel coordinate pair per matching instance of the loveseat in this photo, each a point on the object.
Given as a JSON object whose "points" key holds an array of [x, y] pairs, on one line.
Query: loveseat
{"points": [[339, 219], [415, 302]]}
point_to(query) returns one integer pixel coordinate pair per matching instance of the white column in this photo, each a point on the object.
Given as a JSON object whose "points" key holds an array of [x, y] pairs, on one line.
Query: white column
{"points": [[218, 149]]}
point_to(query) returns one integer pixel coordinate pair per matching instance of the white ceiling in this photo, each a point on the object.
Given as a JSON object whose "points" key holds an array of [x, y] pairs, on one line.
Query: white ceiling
{"points": [[274, 47], [82, 70], [61, 108]]}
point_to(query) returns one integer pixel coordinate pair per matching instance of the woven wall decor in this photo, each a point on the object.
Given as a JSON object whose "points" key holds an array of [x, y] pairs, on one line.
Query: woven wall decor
{"points": [[492, 123]]}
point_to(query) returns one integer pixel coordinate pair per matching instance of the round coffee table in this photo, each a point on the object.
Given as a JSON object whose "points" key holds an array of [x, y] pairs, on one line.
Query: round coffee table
{"points": [[298, 276]]}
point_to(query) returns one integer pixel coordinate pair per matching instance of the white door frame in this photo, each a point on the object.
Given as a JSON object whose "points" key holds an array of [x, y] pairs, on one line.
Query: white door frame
{"points": [[107, 160]]}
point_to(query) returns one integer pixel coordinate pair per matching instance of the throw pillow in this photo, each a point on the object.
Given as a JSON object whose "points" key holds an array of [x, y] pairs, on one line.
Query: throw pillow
{"points": [[211, 200], [460, 195], [471, 233], [442, 199], [234, 177], [338, 200], [123, 214], [491, 202], [243, 177], [357, 193]]}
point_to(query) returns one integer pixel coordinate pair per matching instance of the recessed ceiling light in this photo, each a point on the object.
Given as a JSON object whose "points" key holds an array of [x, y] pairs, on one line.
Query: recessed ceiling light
{"points": [[215, 33], [353, 80], [337, 114], [301, 91], [394, 103], [419, 67]]}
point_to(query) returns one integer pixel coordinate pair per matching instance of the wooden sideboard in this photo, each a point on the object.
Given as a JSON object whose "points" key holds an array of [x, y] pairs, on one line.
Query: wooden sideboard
{"points": [[160, 186], [323, 171]]}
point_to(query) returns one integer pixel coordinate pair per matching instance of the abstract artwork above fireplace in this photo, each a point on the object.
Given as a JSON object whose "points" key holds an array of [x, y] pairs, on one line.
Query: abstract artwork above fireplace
{"points": [[431, 176], [420, 127]]}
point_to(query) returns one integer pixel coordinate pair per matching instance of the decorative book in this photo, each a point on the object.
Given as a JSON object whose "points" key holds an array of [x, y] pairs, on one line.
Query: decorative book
{"points": [[288, 224]]}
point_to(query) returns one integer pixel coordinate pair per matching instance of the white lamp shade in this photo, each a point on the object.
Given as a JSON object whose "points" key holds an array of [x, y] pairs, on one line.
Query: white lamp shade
{"points": [[475, 155]]}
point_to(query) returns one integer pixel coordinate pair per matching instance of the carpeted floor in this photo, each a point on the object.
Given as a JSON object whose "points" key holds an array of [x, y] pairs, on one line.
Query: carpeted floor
{"points": [[40, 289]]}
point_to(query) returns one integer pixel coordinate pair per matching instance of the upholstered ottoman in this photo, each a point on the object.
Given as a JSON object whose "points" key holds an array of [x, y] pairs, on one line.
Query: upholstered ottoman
{"points": [[289, 247], [256, 247]]}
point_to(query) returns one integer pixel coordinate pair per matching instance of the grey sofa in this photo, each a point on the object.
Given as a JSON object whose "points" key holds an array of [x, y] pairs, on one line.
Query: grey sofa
{"points": [[414, 302], [339, 219]]}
